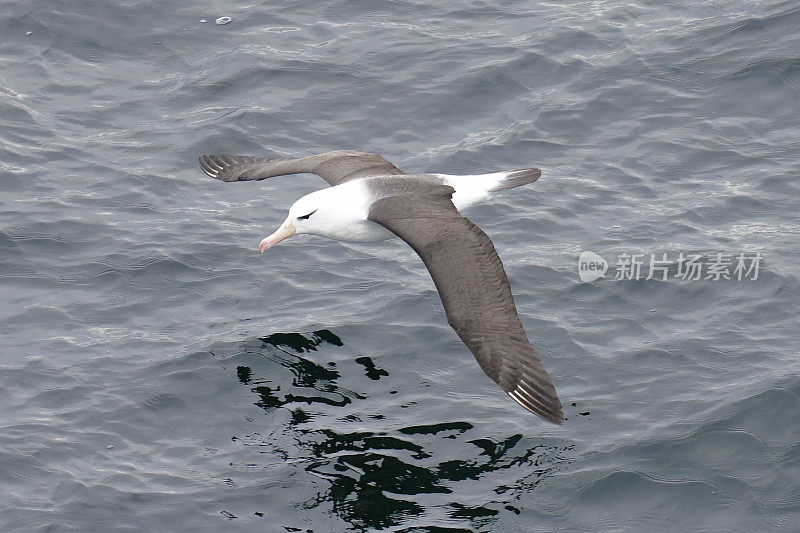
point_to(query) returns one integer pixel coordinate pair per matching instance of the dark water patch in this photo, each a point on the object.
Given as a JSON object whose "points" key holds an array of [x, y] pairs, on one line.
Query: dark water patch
{"points": [[435, 529], [374, 479], [311, 383], [269, 398], [302, 343], [459, 427], [471, 513], [369, 475], [372, 372]]}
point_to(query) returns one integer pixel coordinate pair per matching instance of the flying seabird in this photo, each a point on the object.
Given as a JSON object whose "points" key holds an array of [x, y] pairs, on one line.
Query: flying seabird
{"points": [[371, 200]]}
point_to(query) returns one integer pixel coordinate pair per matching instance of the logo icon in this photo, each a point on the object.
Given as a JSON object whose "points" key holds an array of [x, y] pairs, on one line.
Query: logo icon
{"points": [[591, 266]]}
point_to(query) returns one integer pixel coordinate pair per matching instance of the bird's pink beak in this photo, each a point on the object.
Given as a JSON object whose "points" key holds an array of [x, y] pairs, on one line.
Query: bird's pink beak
{"points": [[284, 232]]}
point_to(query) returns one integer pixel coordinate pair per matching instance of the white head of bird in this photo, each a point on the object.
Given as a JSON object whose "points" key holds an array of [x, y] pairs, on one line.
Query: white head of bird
{"points": [[338, 213]]}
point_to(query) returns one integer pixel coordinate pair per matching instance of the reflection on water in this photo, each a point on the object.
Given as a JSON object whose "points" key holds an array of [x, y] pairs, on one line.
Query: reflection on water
{"points": [[313, 382], [373, 372], [388, 477], [301, 343]]}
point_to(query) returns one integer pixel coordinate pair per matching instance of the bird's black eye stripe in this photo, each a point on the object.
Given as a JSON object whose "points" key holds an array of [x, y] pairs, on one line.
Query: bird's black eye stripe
{"points": [[305, 217]]}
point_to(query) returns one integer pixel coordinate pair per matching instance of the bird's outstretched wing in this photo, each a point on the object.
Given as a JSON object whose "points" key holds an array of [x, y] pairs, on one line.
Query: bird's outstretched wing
{"points": [[334, 167], [473, 287]]}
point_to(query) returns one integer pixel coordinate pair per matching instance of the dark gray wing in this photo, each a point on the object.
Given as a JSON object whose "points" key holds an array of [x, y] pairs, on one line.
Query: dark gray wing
{"points": [[334, 167], [474, 289]]}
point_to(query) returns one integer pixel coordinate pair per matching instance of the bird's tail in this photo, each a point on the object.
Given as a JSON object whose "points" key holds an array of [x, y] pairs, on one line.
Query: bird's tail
{"points": [[515, 178], [478, 187]]}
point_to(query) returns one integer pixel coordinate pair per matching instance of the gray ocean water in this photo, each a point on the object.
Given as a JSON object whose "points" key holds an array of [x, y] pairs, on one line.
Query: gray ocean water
{"points": [[158, 374]]}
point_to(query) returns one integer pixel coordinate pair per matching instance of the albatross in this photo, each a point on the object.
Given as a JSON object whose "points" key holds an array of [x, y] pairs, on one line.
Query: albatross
{"points": [[369, 199]]}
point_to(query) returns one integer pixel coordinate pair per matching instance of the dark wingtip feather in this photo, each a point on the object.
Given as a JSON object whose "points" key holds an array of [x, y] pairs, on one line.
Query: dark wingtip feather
{"points": [[224, 166], [211, 165], [547, 408]]}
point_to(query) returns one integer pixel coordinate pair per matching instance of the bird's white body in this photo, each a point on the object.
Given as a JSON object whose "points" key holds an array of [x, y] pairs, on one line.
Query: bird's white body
{"points": [[473, 188], [341, 212]]}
